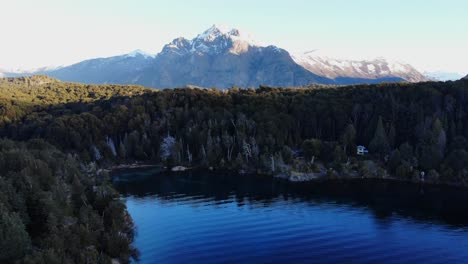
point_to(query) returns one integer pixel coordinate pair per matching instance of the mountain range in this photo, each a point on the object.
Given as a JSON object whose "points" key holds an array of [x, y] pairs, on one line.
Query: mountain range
{"points": [[339, 69], [443, 76], [224, 57]]}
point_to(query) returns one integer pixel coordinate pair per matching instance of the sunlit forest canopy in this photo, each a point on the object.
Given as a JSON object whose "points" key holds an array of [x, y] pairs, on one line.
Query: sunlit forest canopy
{"points": [[243, 127]]}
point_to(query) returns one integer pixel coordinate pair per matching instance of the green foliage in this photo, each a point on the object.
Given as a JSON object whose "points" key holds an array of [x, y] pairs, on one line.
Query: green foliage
{"points": [[287, 155], [348, 139], [111, 123], [311, 148], [236, 128], [404, 171], [15, 242], [379, 144], [71, 215], [51, 211], [23, 96], [395, 160]]}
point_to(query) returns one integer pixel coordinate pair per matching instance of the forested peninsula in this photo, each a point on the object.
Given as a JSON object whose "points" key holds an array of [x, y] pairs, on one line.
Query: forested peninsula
{"points": [[57, 205]]}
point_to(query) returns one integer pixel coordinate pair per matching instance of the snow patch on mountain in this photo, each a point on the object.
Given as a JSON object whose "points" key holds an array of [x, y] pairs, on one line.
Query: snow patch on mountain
{"points": [[321, 64], [139, 52], [215, 40], [223, 56], [443, 76], [15, 72], [216, 31]]}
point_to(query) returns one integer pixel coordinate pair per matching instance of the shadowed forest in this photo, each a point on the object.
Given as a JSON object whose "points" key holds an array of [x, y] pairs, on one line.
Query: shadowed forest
{"points": [[58, 136]]}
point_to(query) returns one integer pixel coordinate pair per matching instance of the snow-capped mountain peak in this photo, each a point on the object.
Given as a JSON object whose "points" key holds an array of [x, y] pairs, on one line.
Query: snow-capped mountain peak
{"points": [[215, 40], [443, 75], [320, 63], [217, 31], [139, 52], [27, 71], [223, 56]]}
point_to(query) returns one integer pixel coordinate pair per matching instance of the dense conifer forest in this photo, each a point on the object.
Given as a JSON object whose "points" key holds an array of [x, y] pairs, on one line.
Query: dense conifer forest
{"points": [[53, 207], [57, 136]]}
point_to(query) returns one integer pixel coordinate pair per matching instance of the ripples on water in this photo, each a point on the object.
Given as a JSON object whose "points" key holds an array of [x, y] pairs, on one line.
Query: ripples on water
{"points": [[220, 218]]}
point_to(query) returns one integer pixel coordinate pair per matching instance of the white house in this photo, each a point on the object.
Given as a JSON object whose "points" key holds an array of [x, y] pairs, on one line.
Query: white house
{"points": [[361, 150]]}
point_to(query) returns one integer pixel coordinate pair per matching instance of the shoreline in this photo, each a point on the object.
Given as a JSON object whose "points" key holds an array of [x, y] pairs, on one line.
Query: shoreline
{"points": [[135, 166]]}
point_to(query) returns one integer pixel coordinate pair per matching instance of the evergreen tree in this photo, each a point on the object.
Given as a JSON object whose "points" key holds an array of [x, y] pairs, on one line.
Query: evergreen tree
{"points": [[311, 148], [379, 144], [14, 240], [348, 139]]}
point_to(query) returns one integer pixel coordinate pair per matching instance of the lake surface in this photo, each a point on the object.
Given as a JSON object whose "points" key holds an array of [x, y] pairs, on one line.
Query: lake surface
{"points": [[208, 217]]}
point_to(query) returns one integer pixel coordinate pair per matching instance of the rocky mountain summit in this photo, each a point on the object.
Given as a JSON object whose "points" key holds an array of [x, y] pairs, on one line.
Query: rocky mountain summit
{"points": [[224, 57]]}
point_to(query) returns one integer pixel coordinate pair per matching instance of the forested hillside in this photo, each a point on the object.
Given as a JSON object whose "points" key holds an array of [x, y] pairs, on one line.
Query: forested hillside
{"points": [[53, 207], [24, 95], [53, 131], [407, 127]]}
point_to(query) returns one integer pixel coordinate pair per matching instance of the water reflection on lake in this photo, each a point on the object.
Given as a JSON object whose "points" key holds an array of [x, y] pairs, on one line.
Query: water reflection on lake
{"points": [[210, 217]]}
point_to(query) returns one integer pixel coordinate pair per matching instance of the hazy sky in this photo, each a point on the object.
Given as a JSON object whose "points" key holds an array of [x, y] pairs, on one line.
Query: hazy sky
{"points": [[430, 34]]}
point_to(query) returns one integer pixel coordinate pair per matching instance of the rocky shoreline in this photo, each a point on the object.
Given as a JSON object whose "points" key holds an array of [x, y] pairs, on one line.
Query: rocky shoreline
{"points": [[135, 165], [292, 176]]}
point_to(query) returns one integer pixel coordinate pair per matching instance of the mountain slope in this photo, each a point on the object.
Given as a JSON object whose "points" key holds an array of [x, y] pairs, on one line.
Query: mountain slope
{"points": [[224, 57], [378, 69], [122, 69], [219, 57], [443, 76]]}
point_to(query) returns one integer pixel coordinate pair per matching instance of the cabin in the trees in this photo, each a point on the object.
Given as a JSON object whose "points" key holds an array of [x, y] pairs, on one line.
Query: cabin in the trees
{"points": [[361, 150]]}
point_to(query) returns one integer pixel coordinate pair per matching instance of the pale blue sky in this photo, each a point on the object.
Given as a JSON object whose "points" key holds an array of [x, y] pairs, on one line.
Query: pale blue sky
{"points": [[429, 34]]}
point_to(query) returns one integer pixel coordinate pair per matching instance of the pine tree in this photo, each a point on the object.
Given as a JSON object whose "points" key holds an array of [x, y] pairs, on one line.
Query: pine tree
{"points": [[379, 144], [14, 240], [348, 138]]}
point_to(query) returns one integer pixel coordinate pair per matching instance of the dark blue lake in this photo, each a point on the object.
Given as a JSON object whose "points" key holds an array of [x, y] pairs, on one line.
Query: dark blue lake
{"points": [[208, 217]]}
